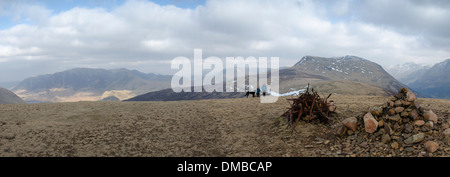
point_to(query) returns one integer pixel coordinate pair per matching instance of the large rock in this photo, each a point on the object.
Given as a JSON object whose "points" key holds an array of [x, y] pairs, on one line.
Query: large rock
{"points": [[430, 115], [415, 138], [431, 146], [446, 132], [410, 96], [376, 111], [351, 123], [370, 123], [414, 114]]}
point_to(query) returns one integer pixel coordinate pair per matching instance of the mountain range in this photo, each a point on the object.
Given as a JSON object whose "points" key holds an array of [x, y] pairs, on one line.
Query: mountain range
{"points": [[350, 75], [435, 82], [342, 75], [407, 73], [430, 81], [86, 84]]}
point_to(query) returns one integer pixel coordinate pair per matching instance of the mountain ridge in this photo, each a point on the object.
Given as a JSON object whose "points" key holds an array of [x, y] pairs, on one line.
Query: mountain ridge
{"points": [[88, 84]]}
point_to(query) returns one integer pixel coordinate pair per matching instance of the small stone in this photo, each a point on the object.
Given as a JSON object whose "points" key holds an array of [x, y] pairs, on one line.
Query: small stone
{"points": [[398, 103], [416, 105], [351, 123], [429, 124], [413, 114], [408, 128], [406, 103], [404, 114], [350, 132], [419, 123], [430, 115], [445, 126], [376, 111], [385, 139], [399, 109], [388, 129], [396, 118], [391, 111], [370, 124], [415, 138], [381, 123], [391, 103], [446, 132], [394, 145], [410, 96], [363, 144], [341, 130], [431, 146], [397, 127]]}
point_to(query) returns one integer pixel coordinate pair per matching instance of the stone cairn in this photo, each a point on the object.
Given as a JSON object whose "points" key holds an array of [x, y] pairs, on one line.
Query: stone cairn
{"points": [[400, 123]]}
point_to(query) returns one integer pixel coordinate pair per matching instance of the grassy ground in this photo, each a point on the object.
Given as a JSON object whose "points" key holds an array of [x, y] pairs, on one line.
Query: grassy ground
{"points": [[226, 127]]}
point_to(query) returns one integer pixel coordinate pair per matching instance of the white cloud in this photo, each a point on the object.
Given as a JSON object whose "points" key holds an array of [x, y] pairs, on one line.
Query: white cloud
{"points": [[144, 35]]}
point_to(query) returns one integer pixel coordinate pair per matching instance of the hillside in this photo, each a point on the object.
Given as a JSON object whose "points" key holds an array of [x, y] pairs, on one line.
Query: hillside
{"points": [[85, 84], [169, 95], [350, 75], [407, 73], [8, 97], [435, 82]]}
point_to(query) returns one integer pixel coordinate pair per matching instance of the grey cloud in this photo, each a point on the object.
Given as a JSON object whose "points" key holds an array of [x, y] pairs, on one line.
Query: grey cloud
{"points": [[146, 36]]}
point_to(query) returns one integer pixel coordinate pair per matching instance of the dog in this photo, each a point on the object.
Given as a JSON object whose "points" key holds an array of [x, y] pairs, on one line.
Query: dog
{"points": [[248, 93]]}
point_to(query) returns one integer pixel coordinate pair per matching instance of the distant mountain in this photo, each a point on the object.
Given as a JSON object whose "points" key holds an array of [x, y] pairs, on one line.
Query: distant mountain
{"points": [[344, 75], [408, 72], [8, 97], [85, 84], [9, 85], [169, 95], [435, 81]]}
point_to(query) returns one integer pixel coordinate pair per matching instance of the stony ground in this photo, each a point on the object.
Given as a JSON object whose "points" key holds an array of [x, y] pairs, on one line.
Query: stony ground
{"points": [[228, 127]]}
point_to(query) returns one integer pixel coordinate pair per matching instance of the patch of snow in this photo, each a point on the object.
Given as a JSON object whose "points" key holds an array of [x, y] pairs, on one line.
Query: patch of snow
{"points": [[295, 92]]}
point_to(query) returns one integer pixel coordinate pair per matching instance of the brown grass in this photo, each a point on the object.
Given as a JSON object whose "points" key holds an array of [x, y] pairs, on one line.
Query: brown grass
{"points": [[228, 127]]}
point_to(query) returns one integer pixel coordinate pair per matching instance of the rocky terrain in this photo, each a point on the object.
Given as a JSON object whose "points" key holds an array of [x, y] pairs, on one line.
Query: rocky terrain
{"points": [[398, 126], [225, 127]]}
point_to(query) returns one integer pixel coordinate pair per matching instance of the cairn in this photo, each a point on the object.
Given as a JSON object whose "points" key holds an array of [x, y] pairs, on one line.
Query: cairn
{"points": [[400, 123]]}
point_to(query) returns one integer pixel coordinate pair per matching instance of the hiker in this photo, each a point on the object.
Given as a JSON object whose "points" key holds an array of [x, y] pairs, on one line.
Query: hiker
{"points": [[264, 89], [258, 91]]}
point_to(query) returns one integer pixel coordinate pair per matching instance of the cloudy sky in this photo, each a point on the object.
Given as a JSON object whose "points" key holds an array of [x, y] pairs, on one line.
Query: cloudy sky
{"points": [[41, 37]]}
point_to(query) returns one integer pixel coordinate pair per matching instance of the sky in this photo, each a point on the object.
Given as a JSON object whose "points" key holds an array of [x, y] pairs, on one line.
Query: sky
{"points": [[48, 36]]}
